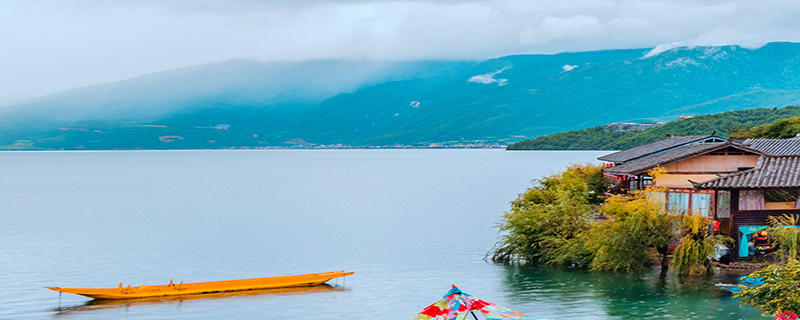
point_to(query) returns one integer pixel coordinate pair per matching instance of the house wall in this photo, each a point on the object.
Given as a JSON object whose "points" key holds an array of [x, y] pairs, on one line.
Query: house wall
{"points": [[681, 180], [712, 164]]}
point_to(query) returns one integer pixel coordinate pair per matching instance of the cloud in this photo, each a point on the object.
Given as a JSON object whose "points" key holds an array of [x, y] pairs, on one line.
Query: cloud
{"points": [[703, 41], [488, 78], [557, 28], [664, 47], [567, 67], [53, 45]]}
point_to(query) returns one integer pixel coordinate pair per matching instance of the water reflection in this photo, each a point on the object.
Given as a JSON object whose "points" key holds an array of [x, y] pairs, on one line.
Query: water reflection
{"points": [[556, 293], [106, 304]]}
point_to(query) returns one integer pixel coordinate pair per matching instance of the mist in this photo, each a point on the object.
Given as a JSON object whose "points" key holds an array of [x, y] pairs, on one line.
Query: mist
{"points": [[56, 45]]}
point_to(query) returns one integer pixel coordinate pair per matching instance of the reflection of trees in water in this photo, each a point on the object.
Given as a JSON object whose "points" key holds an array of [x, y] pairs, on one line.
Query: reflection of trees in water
{"points": [[608, 295], [177, 301]]}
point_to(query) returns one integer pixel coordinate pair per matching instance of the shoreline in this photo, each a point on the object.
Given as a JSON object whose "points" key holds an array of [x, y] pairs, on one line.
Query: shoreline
{"points": [[286, 148]]}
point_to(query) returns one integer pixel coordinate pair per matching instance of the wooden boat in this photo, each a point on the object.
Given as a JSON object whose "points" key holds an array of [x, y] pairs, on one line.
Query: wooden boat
{"points": [[172, 289], [108, 304]]}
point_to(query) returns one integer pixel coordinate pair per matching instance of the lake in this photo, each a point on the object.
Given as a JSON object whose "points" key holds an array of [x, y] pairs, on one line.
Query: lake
{"points": [[409, 223]]}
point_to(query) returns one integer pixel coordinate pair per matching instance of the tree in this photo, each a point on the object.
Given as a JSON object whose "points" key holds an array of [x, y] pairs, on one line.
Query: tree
{"points": [[634, 224], [693, 255], [546, 224], [785, 236]]}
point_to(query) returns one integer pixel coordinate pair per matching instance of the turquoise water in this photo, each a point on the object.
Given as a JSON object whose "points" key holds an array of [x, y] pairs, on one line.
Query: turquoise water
{"points": [[409, 223]]}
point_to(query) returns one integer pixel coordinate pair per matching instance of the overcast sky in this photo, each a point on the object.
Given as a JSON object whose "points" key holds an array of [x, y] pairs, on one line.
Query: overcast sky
{"points": [[47, 46]]}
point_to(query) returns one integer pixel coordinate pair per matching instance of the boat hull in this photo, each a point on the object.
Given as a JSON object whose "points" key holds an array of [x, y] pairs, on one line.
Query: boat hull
{"points": [[145, 291]]}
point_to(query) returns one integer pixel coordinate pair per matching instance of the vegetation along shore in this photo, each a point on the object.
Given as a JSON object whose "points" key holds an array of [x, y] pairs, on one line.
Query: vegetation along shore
{"points": [[689, 204]]}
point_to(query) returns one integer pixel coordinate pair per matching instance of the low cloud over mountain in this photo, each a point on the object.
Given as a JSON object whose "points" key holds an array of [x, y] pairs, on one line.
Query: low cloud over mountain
{"points": [[415, 103]]}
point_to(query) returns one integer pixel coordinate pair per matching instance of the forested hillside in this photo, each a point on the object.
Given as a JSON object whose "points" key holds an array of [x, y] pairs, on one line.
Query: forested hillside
{"points": [[736, 123], [781, 129]]}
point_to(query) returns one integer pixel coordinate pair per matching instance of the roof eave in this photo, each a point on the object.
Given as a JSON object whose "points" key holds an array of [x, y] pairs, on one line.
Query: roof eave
{"points": [[694, 154], [605, 157], [749, 188]]}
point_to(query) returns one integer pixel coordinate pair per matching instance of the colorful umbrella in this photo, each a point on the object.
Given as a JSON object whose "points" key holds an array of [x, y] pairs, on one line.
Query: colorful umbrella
{"points": [[457, 305]]}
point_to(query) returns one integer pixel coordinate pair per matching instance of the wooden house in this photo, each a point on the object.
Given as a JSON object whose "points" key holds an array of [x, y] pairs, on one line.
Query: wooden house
{"points": [[701, 161], [738, 184], [771, 188], [642, 154]]}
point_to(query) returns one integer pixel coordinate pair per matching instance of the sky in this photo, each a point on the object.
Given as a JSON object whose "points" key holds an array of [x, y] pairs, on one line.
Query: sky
{"points": [[47, 46]]}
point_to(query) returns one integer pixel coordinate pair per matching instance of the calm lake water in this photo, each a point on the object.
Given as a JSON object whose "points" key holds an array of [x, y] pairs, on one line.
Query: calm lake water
{"points": [[409, 223]]}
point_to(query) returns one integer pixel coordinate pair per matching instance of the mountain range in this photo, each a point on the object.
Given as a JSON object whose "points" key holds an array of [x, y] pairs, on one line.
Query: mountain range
{"points": [[245, 103]]}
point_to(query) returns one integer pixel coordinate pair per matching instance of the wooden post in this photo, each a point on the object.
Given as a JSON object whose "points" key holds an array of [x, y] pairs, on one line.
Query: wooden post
{"points": [[732, 232]]}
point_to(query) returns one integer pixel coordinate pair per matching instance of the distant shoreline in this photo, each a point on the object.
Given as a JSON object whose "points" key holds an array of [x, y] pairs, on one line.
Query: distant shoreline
{"points": [[280, 148]]}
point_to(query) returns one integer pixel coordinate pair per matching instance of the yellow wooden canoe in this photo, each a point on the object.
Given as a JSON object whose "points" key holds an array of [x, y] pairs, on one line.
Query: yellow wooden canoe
{"points": [[181, 288], [108, 304]]}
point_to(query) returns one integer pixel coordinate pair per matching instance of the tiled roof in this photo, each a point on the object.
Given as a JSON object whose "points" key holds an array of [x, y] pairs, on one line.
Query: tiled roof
{"points": [[640, 166], [650, 148], [778, 147], [770, 172]]}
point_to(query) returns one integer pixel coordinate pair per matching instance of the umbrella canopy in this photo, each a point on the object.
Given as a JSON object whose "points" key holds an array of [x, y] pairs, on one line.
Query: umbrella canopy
{"points": [[457, 305]]}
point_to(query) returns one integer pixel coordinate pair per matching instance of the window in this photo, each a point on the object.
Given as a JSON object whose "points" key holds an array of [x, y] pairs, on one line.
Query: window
{"points": [[647, 181], [780, 200], [723, 204], [769, 200], [657, 197], [701, 203], [677, 203]]}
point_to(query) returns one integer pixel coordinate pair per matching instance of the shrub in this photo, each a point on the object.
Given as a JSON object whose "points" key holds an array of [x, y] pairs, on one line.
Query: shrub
{"points": [[779, 293]]}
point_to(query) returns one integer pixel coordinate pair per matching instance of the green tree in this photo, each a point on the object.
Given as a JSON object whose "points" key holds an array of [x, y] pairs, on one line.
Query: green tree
{"points": [[785, 236], [546, 224], [634, 224], [693, 255], [779, 292]]}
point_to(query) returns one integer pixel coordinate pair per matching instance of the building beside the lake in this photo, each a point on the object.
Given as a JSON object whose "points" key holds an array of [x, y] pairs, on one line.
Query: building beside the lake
{"points": [[736, 183]]}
